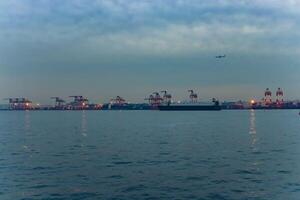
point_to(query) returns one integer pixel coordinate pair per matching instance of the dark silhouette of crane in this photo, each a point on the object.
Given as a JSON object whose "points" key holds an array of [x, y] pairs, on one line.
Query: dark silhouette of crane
{"points": [[12, 102], [19, 103], [166, 97], [193, 96], [157, 99], [59, 103], [118, 100], [79, 98], [268, 97], [154, 99], [79, 103], [279, 96], [215, 101], [150, 99]]}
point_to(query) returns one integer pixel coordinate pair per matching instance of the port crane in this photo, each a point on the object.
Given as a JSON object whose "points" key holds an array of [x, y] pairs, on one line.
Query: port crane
{"points": [[79, 99], [154, 99], [12, 102], [193, 96], [118, 100], [79, 102], [268, 97], [279, 96], [166, 97], [59, 103], [19, 103], [150, 99], [157, 99]]}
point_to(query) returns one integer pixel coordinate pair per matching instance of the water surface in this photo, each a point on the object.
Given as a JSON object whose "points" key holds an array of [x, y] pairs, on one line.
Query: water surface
{"points": [[150, 155]]}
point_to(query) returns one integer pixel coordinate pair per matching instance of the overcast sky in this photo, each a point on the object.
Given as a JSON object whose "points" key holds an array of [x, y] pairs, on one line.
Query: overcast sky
{"points": [[131, 48]]}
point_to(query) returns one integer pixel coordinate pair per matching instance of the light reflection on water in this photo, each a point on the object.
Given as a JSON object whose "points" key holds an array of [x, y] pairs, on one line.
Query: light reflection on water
{"points": [[83, 124], [252, 129], [27, 131], [255, 163], [150, 155]]}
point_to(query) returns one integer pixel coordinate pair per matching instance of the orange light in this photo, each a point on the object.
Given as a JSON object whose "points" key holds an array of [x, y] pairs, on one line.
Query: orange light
{"points": [[27, 104], [252, 101]]}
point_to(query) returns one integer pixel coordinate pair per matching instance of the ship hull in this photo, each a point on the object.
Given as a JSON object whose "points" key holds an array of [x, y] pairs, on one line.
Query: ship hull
{"points": [[126, 107], [189, 108]]}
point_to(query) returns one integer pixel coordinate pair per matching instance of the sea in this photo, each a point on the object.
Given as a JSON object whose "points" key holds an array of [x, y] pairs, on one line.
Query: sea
{"points": [[128, 155]]}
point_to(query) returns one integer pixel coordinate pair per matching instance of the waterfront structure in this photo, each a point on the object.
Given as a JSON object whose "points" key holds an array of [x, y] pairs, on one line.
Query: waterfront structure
{"points": [[279, 96], [79, 103], [193, 105], [59, 103], [156, 101], [19, 103], [268, 97], [166, 97], [193, 96]]}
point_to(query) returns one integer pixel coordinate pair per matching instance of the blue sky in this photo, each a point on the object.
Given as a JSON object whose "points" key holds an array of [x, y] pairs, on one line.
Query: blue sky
{"points": [[130, 48]]}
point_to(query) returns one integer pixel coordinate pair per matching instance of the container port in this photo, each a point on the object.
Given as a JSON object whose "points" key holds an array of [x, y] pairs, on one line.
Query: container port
{"points": [[155, 101]]}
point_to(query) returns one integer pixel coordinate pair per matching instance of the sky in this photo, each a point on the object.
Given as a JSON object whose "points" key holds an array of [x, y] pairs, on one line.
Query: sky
{"points": [[104, 48]]}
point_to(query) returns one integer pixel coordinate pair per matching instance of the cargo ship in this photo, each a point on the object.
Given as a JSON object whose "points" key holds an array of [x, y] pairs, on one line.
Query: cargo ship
{"points": [[120, 103], [214, 106], [192, 105], [127, 106]]}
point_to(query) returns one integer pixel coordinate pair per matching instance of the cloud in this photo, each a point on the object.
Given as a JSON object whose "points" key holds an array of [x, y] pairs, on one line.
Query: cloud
{"points": [[94, 35], [202, 37], [158, 26]]}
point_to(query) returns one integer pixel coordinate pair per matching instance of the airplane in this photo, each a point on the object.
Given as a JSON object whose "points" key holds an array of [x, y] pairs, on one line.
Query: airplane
{"points": [[221, 56]]}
